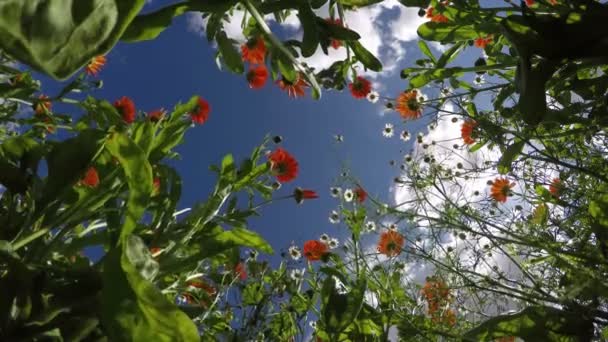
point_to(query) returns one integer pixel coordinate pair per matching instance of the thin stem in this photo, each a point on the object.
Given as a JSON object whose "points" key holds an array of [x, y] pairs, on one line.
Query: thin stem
{"points": [[30, 238]]}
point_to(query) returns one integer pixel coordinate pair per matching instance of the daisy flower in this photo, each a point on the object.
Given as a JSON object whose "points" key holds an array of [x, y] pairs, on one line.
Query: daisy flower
{"points": [[388, 130], [297, 274], [370, 226], [334, 217], [294, 252], [479, 80], [324, 238], [333, 243], [335, 191], [348, 195], [405, 135], [373, 96]]}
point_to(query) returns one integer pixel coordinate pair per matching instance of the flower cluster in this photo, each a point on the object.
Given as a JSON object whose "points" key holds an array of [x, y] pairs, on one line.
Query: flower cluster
{"points": [[438, 297]]}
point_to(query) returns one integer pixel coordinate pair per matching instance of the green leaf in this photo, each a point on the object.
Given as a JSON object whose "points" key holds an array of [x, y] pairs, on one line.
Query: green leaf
{"points": [[507, 158], [338, 31], [133, 309], [253, 293], [598, 207], [426, 50], [239, 236], [149, 26], [62, 36], [139, 179], [535, 323], [365, 57], [415, 3], [432, 75], [450, 54], [340, 309], [453, 32], [310, 41], [139, 256], [359, 3], [143, 135], [229, 53]]}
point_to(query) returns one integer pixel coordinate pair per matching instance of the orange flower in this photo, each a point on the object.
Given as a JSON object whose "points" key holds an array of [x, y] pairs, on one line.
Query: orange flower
{"points": [[294, 89], [360, 194], [483, 42], [466, 131], [155, 251], [360, 87], [449, 317], [314, 250], [254, 51], [42, 105], [91, 178], [283, 165], [256, 77], [210, 290], [408, 106], [435, 291], [501, 189], [95, 65], [335, 43], [156, 185], [126, 108], [240, 271], [391, 243], [436, 18], [529, 3], [556, 187], [156, 115], [201, 111]]}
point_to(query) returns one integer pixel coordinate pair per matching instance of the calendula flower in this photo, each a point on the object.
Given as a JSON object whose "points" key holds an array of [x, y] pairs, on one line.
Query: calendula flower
{"points": [[501, 189], [482, 42], [294, 89], [405, 135], [348, 195], [335, 43], [360, 87], [91, 178], [360, 194], [95, 65], [314, 250], [200, 114], [408, 105], [529, 3], [294, 252], [391, 243], [436, 17], [388, 130], [254, 51], [156, 185], [466, 131], [300, 195], [156, 115], [334, 217], [283, 166], [335, 191], [373, 96], [126, 108], [556, 187], [256, 77]]}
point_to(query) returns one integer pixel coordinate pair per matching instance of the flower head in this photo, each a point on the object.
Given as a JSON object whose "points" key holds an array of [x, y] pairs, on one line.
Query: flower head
{"points": [[348, 195], [324, 238], [436, 17], [360, 194], [294, 252], [391, 242], [408, 105], [254, 51], [466, 131], [501, 189], [335, 191], [388, 130], [556, 187], [360, 87], [294, 89], [126, 108], [373, 96], [482, 42], [95, 65], [240, 271], [156, 185], [257, 76], [334, 217], [297, 274], [405, 135], [333, 243], [314, 250], [300, 195], [156, 115], [200, 114], [42, 105], [91, 178], [335, 43], [283, 165], [370, 226]]}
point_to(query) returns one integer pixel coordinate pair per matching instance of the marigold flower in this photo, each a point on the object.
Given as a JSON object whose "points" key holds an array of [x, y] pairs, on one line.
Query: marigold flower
{"points": [[360, 194], [483, 42], [391, 242], [210, 290], [156, 115], [200, 114], [314, 250], [466, 131], [254, 51], [126, 108], [300, 195], [283, 165], [501, 189], [95, 65], [556, 187], [436, 17], [42, 105], [240, 271], [408, 105], [360, 87], [256, 77], [435, 291], [294, 89], [335, 43], [91, 178]]}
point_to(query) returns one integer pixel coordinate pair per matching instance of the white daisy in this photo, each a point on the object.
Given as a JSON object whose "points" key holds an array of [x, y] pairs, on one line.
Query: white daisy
{"points": [[421, 97], [334, 217], [324, 238], [348, 195], [313, 325], [407, 158], [388, 130], [370, 226], [479, 80], [373, 96], [297, 274], [294, 252], [405, 135], [333, 243], [335, 191]]}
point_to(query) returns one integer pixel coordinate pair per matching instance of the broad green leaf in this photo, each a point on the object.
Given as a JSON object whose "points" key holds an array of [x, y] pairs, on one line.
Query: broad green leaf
{"points": [[239, 236], [359, 3], [253, 293], [143, 135], [149, 26], [598, 206], [450, 54], [310, 41], [61, 36], [138, 173], [424, 48], [338, 31], [453, 32], [133, 309], [535, 323], [229, 53], [507, 158], [340, 309], [367, 58], [426, 77], [416, 3], [139, 256]]}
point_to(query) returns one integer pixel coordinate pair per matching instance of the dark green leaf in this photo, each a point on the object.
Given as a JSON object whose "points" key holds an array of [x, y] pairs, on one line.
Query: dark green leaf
{"points": [[229, 53], [426, 50], [367, 58], [310, 41], [149, 26], [507, 158]]}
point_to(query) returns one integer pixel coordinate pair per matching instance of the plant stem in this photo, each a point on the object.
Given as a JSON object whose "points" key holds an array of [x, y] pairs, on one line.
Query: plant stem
{"points": [[30, 238]]}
